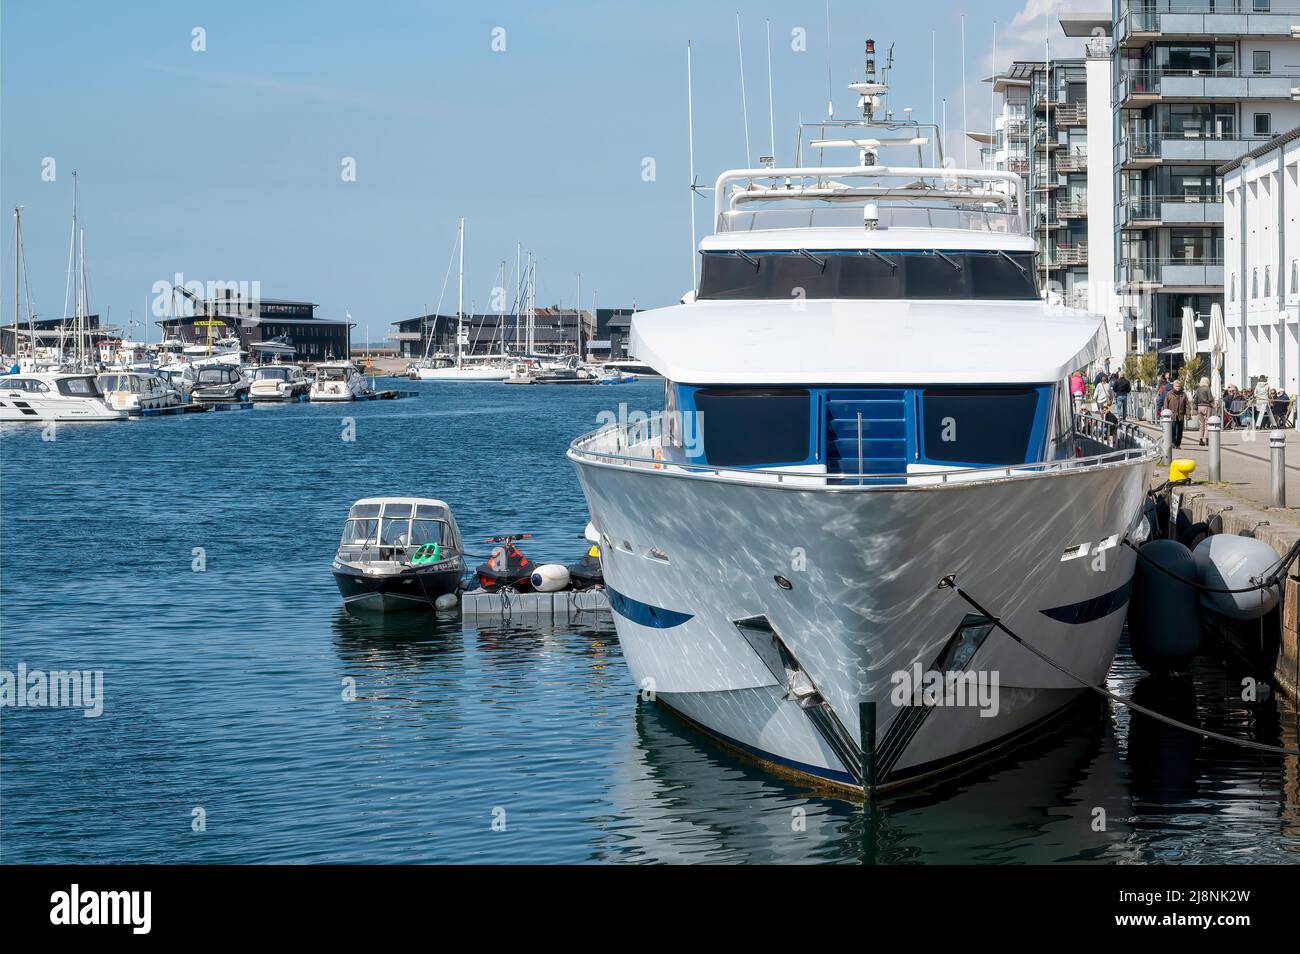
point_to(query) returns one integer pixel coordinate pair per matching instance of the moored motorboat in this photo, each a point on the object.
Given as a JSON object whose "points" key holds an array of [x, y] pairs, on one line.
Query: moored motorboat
{"points": [[398, 553], [136, 391], [338, 381], [278, 382], [219, 383], [54, 396]]}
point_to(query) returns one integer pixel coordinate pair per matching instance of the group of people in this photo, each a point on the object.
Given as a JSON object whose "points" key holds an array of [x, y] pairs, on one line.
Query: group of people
{"points": [[1110, 393], [1112, 389], [1270, 404]]}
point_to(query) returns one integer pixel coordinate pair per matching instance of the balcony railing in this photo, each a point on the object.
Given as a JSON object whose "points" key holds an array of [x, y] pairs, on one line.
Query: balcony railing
{"points": [[1219, 17], [1076, 160], [1206, 83], [1064, 256], [1172, 208], [1178, 270], [1018, 164], [1072, 114], [1192, 145], [1072, 208]]}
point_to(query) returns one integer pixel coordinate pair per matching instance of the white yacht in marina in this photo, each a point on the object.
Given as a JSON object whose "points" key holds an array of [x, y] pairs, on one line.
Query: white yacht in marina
{"points": [[866, 395], [338, 381], [135, 391], [45, 396]]}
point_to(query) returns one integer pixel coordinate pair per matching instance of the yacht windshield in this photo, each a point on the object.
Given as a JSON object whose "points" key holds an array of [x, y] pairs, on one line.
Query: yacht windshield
{"points": [[273, 374], [78, 387], [868, 273], [213, 376]]}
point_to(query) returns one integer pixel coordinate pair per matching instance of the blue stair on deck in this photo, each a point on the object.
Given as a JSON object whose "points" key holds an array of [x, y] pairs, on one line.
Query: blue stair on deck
{"points": [[884, 430]]}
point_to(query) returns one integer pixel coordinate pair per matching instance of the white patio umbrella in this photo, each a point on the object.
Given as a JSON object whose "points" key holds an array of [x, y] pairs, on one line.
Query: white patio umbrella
{"points": [[1218, 347], [1189, 334]]}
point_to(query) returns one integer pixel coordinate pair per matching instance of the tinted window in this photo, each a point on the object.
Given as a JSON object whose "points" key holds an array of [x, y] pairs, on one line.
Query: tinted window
{"points": [[753, 426], [78, 387], [855, 274], [977, 425]]}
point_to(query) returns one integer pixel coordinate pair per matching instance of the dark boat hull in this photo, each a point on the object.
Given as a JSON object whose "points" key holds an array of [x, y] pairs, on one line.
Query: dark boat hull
{"points": [[411, 588]]}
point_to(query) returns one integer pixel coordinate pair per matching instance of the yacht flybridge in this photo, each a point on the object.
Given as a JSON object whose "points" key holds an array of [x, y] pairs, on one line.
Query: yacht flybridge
{"points": [[866, 394]]}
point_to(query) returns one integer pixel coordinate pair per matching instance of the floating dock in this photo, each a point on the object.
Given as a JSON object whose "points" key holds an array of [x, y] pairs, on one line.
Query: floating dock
{"points": [[190, 408], [565, 606]]}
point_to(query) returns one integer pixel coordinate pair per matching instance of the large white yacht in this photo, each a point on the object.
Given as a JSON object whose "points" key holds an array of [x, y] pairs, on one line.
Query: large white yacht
{"points": [[865, 395]]}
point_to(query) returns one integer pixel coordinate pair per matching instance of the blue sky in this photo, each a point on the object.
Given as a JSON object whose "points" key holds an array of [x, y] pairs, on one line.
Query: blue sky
{"points": [[226, 164]]}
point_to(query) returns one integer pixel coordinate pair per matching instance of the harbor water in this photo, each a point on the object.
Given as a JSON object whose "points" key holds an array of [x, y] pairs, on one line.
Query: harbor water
{"points": [[247, 719]]}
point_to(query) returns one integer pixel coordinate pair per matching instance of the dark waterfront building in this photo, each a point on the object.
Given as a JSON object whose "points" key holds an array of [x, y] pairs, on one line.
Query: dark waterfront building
{"points": [[555, 331], [51, 332], [613, 327], [261, 320]]}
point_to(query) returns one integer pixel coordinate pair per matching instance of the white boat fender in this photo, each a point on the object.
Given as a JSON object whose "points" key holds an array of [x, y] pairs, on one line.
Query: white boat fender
{"points": [[448, 601], [550, 578], [1228, 562], [1164, 618]]}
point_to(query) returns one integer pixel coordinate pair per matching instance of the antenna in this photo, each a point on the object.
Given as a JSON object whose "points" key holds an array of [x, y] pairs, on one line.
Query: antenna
{"points": [[744, 101], [830, 103], [993, 137], [690, 144], [771, 121], [965, 126], [933, 117]]}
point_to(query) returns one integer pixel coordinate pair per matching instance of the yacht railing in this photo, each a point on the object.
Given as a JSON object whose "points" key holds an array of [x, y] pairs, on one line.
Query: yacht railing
{"points": [[972, 190], [639, 446]]}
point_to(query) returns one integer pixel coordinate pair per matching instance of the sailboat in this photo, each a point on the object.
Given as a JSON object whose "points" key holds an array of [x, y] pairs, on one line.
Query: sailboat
{"points": [[461, 367]]}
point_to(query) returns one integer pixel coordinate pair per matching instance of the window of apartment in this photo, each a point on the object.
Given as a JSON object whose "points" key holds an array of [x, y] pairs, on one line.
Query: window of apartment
{"points": [[1185, 57], [1295, 276], [1268, 281], [1263, 124], [1261, 6], [1225, 59], [1254, 283], [1194, 244], [1261, 62], [1232, 286]]}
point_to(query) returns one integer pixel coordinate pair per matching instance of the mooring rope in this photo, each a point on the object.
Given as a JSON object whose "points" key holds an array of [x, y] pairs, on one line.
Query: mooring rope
{"points": [[950, 583], [1273, 578]]}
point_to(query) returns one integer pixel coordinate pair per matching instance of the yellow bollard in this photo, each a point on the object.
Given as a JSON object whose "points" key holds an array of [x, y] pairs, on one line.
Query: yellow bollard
{"points": [[1180, 470]]}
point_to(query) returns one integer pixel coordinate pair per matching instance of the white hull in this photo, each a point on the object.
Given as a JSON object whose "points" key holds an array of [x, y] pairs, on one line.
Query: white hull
{"points": [[463, 373], [43, 410], [864, 565]]}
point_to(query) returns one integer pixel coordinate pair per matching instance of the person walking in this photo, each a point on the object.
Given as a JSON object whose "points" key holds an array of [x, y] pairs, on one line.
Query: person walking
{"points": [[1101, 395], [1078, 387], [1262, 405], [1203, 398], [1123, 387], [1179, 405]]}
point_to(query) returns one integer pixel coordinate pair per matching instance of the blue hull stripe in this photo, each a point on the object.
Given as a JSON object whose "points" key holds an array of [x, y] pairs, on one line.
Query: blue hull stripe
{"points": [[1091, 609], [656, 617]]}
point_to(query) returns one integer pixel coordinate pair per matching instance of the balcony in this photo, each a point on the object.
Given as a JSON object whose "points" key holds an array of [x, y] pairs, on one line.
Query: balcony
{"points": [[1066, 256], [1018, 164], [1017, 128], [1149, 211], [1182, 271], [1171, 19], [1072, 208], [1072, 114], [1074, 161], [1139, 149], [1149, 85]]}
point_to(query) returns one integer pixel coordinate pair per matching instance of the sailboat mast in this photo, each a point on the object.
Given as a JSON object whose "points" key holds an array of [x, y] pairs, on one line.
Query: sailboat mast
{"points": [[460, 295], [579, 316], [81, 297], [18, 237]]}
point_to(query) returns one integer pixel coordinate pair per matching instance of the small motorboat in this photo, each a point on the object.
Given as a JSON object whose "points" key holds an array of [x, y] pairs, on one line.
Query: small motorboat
{"points": [[398, 553], [219, 384], [506, 568], [278, 382], [136, 391], [338, 381]]}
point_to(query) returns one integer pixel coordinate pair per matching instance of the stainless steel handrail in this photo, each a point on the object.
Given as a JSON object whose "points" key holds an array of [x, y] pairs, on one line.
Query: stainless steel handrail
{"points": [[1128, 443]]}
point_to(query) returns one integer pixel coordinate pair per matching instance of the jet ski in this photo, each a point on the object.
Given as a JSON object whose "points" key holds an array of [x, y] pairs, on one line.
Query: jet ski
{"points": [[506, 568], [586, 573]]}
